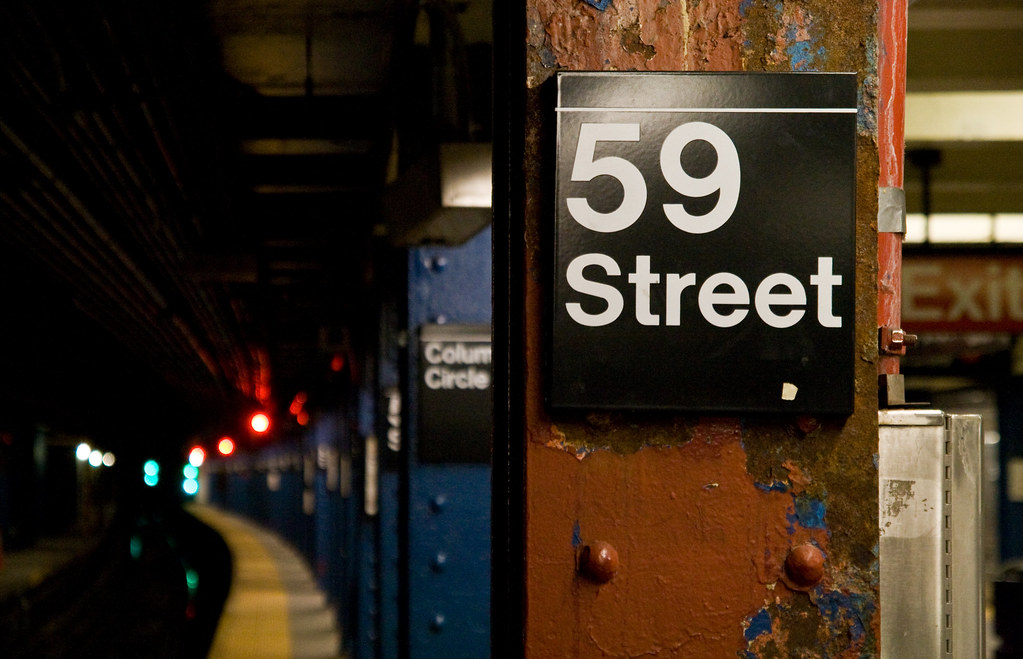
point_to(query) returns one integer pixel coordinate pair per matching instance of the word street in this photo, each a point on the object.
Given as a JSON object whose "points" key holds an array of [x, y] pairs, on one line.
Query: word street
{"points": [[723, 297]]}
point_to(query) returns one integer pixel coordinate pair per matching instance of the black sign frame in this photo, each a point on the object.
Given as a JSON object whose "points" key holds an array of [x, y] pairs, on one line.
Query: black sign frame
{"points": [[761, 308]]}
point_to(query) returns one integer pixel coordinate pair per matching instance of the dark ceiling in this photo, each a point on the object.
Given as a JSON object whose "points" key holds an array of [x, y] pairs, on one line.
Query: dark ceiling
{"points": [[192, 215], [190, 197]]}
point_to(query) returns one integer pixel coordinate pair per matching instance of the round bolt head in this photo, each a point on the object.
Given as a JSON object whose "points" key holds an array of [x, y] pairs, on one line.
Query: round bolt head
{"points": [[599, 561], [804, 566]]}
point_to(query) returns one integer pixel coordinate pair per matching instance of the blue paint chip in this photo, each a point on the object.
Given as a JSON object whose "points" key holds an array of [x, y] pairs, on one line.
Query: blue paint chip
{"points": [[809, 512], [577, 536], [759, 625], [775, 486], [800, 56], [854, 609], [598, 4], [744, 7]]}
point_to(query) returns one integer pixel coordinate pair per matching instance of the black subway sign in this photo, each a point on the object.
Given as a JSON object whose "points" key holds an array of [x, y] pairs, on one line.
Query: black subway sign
{"points": [[455, 393], [704, 242]]}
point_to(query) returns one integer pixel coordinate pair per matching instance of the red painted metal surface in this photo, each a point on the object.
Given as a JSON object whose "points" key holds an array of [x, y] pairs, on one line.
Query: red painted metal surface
{"points": [[891, 111]]}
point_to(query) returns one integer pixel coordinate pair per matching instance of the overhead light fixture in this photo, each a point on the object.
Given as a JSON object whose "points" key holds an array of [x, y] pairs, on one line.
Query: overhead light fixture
{"points": [[989, 116], [959, 228], [964, 228], [1009, 227]]}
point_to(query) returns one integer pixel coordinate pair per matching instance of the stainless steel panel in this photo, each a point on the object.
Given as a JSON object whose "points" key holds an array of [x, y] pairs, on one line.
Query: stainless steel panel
{"points": [[931, 556], [965, 532], [911, 466]]}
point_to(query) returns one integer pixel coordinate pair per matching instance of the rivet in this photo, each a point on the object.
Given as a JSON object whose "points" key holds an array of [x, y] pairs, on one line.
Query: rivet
{"points": [[807, 424], [804, 566], [438, 502], [438, 562], [437, 624], [599, 561]]}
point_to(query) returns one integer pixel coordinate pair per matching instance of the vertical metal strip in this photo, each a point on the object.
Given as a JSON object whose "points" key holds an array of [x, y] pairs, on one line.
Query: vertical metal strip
{"points": [[508, 503], [966, 575], [892, 29], [948, 532]]}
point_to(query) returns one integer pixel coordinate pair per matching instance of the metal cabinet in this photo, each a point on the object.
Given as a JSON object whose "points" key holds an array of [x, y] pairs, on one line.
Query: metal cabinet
{"points": [[930, 548]]}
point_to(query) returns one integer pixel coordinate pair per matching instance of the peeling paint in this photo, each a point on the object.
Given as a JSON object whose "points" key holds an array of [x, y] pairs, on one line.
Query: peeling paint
{"points": [[825, 624], [774, 486], [758, 625], [808, 512]]}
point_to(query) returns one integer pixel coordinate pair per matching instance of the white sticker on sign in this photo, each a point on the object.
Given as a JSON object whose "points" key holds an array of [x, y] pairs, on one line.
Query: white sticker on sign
{"points": [[789, 391]]}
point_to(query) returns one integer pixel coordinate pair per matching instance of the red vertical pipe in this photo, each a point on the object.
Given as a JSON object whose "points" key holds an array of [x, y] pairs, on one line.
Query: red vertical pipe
{"points": [[891, 140]]}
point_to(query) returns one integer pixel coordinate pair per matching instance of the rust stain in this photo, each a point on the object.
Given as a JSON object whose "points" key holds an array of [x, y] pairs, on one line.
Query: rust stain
{"points": [[632, 42]]}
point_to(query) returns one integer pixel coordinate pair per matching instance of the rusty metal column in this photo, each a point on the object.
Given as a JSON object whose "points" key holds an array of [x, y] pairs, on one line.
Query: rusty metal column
{"points": [[677, 535], [891, 119]]}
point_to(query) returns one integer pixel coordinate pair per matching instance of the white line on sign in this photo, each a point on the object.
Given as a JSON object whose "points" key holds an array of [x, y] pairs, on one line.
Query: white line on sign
{"points": [[733, 110]]}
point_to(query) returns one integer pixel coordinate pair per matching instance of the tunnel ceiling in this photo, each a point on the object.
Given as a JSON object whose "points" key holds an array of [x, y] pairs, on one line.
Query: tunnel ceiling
{"points": [[190, 198]]}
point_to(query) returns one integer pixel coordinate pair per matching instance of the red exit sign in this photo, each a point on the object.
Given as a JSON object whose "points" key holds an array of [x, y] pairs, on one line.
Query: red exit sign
{"points": [[962, 293]]}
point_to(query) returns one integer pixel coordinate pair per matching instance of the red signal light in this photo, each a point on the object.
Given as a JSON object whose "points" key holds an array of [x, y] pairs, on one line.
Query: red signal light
{"points": [[225, 446]]}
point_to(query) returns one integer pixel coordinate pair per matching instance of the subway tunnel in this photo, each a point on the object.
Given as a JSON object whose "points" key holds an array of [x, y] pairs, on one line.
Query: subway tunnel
{"points": [[209, 210], [212, 210]]}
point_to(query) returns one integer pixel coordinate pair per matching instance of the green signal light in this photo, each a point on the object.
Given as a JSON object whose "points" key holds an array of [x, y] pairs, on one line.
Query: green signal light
{"points": [[151, 469], [191, 471], [190, 486], [191, 579]]}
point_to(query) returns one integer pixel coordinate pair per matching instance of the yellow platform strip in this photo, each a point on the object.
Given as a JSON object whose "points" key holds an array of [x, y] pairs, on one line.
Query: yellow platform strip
{"points": [[254, 622]]}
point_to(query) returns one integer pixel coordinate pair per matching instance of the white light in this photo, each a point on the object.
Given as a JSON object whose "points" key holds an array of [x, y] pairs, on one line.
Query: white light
{"points": [[1009, 227], [916, 228], [959, 228], [95, 458], [196, 457], [964, 116], [83, 451], [109, 459]]}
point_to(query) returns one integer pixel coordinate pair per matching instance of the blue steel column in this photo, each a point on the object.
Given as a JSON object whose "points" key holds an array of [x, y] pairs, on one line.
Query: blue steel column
{"points": [[328, 511], [367, 624], [390, 423], [449, 504]]}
